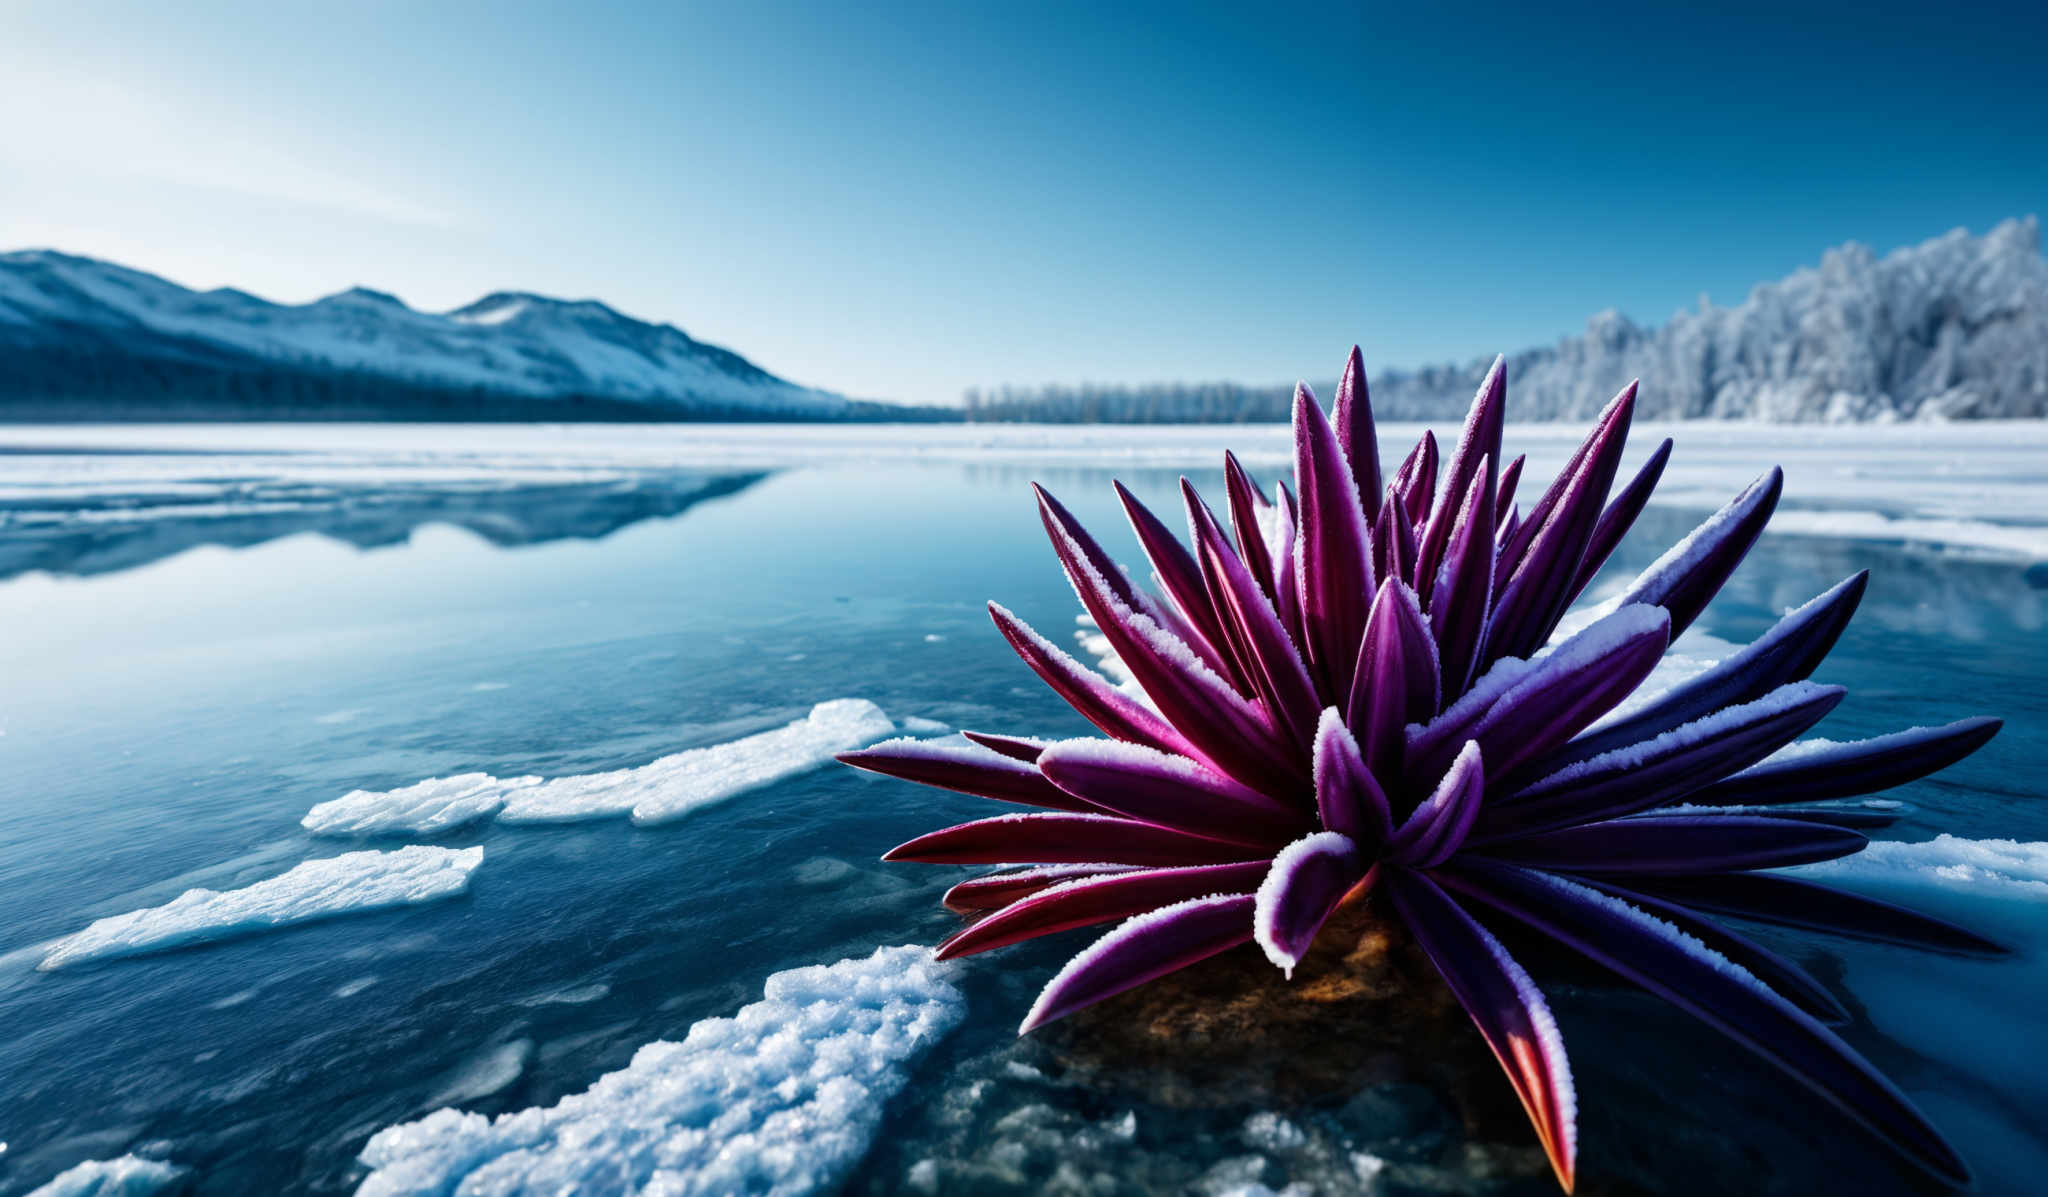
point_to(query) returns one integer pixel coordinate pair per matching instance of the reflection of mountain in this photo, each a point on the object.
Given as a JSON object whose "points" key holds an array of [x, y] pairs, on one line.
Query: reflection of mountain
{"points": [[87, 340], [103, 533]]}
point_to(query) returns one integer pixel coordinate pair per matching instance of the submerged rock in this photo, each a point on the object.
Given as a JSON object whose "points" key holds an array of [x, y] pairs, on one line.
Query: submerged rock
{"points": [[1364, 1008]]}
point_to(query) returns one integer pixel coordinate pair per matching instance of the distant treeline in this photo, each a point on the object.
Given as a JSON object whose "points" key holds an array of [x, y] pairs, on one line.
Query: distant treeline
{"points": [[90, 385], [1153, 403]]}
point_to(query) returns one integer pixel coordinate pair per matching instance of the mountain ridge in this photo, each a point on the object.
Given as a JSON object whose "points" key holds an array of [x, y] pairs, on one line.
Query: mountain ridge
{"points": [[85, 338]]}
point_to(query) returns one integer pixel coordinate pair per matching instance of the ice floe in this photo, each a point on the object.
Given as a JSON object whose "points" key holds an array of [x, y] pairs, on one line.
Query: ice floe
{"points": [[2002, 868], [425, 808], [128, 1176], [317, 889], [687, 781], [783, 1098], [662, 790]]}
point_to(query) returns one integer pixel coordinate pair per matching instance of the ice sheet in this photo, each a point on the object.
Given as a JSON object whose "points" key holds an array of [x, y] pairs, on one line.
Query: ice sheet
{"points": [[317, 889], [1976, 486]]}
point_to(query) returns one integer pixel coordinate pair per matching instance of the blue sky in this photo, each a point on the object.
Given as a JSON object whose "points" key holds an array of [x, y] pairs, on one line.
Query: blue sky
{"points": [[903, 200]]}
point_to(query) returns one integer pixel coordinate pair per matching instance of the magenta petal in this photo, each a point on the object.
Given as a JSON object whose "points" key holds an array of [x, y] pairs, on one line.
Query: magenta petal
{"points": [[1085, 901], [1286, 567], [1478, 454], [1148, 946], [1267, 653], [1404, 473], [1419, 493], [1308, 878], [1505, 1005], [1790, 981], [1504, 497], [1858, 767], [1651, 844], [1246, 502], [966, 768], [1437, 828], [1348, 797], [1621, 515], [1708, 986], [1170, 791], [1355, 432], [1666, 768], [1066, 839], [1070, 539], [1393, 544], [1538, 589], [1396, 682], [1333, 567], [1691, 572], [1790, 651], [1791, 902], [1216, 722], [1463, 595], [1551, 699], [1180, 578], [997, 890], [1017, 748], [1088, 692]]}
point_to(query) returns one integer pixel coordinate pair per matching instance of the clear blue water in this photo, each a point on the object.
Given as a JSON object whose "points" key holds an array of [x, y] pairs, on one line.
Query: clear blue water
{"points": [[168, 718]]}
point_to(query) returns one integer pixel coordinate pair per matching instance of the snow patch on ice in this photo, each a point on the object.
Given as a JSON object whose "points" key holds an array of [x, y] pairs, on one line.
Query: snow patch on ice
{"points": [[665, 789], [127, 1176], [316, 889], [783, 1098], [429, 807], [2005, 868], [683, 782]]}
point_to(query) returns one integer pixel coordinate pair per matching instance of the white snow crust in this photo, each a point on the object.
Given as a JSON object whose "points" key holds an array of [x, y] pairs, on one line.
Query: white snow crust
{"points": [[126, 1176], [316, 889], [662, 790], [2000, 868], [683, 782], [424, 808], [783, 1098]]}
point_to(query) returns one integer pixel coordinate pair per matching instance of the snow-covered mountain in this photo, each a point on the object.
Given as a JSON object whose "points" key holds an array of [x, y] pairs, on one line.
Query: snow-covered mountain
{"points": [[69, 323], [1953, 328]]}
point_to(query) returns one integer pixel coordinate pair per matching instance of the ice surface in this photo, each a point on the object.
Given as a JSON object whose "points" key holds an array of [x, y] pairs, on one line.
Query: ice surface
{"points": [[425, 808], [128, 1176], [682, 782], [783, 1098], [1974, 486], [317, 889]]}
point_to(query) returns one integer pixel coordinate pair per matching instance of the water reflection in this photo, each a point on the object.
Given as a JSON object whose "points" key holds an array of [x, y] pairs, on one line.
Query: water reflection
{"points": [[85, 534]]}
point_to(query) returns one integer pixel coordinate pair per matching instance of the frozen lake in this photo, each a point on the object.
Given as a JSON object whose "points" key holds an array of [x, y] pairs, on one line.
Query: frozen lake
{"points": [[614, 642]]}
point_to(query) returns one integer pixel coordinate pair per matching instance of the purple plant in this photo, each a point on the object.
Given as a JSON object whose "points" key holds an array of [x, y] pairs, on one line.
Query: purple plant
{"points": [[1350, 695]]}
